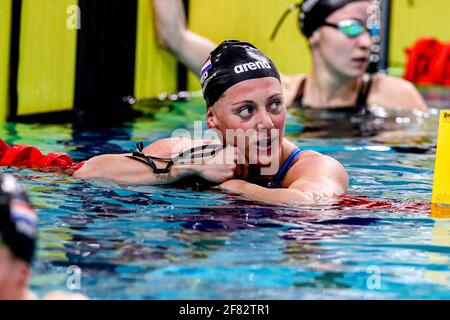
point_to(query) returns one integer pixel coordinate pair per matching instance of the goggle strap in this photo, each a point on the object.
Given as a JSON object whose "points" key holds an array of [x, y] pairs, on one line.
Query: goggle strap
{"points": [[148, 160], [283, 17]]}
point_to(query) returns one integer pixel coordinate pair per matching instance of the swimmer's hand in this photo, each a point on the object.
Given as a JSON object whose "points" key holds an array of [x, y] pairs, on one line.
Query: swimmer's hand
{"points": [[217, 169], [282, 196]]}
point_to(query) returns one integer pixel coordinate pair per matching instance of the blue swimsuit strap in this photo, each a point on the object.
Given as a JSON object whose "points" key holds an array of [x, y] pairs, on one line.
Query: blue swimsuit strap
{"points": [[287, 165]]}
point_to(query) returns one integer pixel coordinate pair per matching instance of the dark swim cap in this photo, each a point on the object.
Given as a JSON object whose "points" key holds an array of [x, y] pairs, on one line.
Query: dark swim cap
{"points": [[232, 62], [18, 221], [313, 13]]}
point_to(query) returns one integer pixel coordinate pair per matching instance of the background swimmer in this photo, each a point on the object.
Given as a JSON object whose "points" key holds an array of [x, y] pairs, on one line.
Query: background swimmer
{"points": [[340, 46], [243, 93], [18, 233]]}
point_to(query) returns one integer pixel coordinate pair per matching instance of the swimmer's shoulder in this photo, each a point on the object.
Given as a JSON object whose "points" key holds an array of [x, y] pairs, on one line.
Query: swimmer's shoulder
{"points": [[290, 86], [314, 166], [395, 93]]}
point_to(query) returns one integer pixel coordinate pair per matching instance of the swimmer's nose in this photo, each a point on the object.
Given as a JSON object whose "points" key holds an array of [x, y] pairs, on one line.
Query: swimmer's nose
{"points": [[364, 41], [265, 121]]}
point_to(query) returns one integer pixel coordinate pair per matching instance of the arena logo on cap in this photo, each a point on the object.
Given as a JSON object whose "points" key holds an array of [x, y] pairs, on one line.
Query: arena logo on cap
{"points": [[252, 66], [308, 5]]}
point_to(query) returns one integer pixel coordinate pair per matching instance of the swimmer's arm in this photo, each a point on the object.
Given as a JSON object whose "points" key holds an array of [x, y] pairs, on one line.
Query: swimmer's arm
{"points": [[321, 177], [273, 196], [314, 179], [119, 168], [189, 48]]}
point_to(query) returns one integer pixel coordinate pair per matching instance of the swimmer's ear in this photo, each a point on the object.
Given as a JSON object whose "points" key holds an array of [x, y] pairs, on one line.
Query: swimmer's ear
{"points": [[314, 39], [211, 118]]}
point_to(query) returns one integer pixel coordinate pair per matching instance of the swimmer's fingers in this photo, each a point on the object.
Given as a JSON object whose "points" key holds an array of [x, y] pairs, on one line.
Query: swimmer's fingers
{"points": [[242, 165], [245, 167], [241, 171], [225, 156], [238, 171], [245, 171], [231, 155], [218, 174]]}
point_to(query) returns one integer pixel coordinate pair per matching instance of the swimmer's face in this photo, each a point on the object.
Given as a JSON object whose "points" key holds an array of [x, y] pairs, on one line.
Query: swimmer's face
{"points": [[14, 275], [348, 57], [251, 115]]}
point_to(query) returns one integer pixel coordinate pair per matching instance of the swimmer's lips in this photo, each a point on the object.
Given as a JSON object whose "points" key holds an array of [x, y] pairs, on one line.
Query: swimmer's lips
{"points": [[265, 144], [360, 61]]}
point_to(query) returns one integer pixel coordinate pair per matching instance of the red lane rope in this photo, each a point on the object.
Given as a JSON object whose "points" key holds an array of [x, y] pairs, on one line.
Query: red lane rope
{"points": [[24, 156]]}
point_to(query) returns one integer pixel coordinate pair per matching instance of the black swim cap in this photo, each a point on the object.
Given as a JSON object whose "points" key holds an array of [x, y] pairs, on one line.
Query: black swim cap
{"points": [[18, 221], [232, 62], [313, 13]]}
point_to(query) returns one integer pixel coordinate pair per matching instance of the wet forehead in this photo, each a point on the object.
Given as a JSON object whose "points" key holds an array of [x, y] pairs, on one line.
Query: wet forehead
{"points": [[357, 10], [254, 89]]}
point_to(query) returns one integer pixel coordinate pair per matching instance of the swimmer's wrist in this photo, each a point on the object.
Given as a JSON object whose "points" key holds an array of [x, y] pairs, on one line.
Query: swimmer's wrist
{"points": [[180, 171]]}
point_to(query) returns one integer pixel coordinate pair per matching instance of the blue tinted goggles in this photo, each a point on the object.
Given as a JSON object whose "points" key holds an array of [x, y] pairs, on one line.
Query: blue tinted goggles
{"points": [[354, 28]]}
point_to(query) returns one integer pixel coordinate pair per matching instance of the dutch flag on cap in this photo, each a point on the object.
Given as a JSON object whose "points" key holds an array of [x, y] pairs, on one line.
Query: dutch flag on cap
{"points": [[207, 66]]}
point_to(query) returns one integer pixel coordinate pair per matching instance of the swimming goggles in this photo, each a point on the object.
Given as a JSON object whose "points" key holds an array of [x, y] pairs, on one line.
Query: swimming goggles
{"points": [[353, 28], [194, 153]]}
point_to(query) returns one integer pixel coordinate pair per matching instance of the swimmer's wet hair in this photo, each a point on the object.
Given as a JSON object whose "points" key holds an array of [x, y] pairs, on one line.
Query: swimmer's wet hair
{"points": [[233, 61], [18, 221]]}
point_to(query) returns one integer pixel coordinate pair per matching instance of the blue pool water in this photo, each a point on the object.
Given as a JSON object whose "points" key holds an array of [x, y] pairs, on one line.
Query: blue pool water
{"points": [[148, 242]]}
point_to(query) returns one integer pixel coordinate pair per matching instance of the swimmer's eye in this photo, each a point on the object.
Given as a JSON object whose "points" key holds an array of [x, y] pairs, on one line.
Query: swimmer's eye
{"points": [[246, 112], [275, 106]]}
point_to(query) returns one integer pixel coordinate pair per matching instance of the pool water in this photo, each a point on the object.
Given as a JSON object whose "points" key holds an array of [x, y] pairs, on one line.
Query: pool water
{"points": [[112, 241]]}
